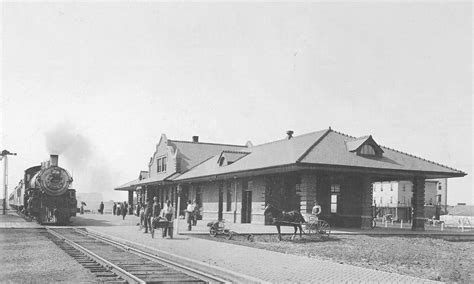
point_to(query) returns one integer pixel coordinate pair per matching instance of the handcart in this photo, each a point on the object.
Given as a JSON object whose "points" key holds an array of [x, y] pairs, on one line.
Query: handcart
{"points": [[160, 222], [218, 228]]}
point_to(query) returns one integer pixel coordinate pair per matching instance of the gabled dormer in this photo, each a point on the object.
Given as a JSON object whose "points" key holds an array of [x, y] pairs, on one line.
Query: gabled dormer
{"points": [[229, 157], [364, 146], [163, 161], [143, 175]]}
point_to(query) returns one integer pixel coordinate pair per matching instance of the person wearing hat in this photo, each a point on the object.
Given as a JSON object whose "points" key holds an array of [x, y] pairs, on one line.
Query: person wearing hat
{"points": [[168, 213], [148, 213], [316, 209], [189, 214], [156, 207]]}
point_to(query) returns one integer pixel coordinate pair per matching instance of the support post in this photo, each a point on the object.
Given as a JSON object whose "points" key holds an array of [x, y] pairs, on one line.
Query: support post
{"points": [[235, 194], [178, 191], [418, 204], [5, 179], [366, 203], [4, 155]]}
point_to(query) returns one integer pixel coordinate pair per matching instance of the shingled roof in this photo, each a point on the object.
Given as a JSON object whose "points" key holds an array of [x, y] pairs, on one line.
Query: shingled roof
{"points": [[127, 186], [192, 153], [189, 154], [332, 151], [321, 148], [273, 154]]}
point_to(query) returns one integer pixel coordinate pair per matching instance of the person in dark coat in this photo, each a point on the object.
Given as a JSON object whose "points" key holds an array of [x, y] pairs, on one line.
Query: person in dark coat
{"points": [[124, 209], [114, 208], [139, 207], [101, 208], [148, 214], [156, 208], [195, 213]]}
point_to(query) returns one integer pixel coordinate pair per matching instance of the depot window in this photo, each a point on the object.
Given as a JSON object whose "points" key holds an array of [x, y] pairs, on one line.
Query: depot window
{"points": [[335, 197], [161, 165], [158, 165]]}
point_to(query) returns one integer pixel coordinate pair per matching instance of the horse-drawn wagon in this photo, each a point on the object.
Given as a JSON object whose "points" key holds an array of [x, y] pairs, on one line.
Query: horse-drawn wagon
{"points": [[314, 227]]}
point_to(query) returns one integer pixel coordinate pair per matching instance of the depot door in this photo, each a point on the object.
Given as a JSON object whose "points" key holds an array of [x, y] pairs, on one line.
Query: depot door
{"points": [[246, 206], [221, 202]]}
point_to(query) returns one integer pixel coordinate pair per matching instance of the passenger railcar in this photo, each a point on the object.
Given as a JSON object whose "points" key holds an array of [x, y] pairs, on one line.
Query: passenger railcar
{"points": [[45, 194]]}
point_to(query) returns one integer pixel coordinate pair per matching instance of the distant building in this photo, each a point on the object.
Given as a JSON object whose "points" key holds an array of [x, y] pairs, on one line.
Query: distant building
{"points": [[395, 197]]}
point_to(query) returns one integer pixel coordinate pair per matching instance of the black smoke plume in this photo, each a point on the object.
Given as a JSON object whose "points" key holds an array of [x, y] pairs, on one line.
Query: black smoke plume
{"points": [[77, 155]]}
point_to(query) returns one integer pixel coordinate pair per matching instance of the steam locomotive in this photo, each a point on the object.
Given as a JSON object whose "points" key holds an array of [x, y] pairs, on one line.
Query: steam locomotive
{"points": [[44, 194]]}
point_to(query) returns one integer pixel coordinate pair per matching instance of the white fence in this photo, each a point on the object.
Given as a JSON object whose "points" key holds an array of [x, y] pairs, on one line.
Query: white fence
{"points": [[457, 221]]}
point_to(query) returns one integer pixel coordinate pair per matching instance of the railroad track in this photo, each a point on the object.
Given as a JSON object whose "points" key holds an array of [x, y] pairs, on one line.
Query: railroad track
{"points": [[115, 262]]}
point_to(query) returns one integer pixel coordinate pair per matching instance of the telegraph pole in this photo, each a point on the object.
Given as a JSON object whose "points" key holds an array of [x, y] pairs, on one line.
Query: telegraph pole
{"points": [[4, 155]]}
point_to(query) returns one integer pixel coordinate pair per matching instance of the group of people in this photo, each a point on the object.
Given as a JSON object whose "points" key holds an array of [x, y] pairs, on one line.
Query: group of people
{"points": [[120, 209], [152, 211]]}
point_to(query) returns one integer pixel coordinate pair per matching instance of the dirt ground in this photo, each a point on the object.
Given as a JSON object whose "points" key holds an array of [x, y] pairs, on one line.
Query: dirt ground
{"points": [[423, 257], [28, 256]]}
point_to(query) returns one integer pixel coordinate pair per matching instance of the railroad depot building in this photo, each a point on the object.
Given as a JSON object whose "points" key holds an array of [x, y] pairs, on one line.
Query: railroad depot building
{"points": [[235, 182]]}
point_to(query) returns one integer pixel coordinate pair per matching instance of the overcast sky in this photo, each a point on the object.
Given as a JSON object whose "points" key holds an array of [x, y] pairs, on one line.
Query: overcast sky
{"points": [[99, 82]]}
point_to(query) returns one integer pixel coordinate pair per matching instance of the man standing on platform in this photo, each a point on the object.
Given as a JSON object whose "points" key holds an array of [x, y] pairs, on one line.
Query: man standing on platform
{"points": [[156, 208], [148, 213], [189, 214], [168, 213]]}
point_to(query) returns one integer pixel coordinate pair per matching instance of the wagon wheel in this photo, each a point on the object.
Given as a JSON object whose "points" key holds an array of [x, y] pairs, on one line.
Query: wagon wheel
{"points": [[212, 232], [324, 230], [312, 230], [229, 235]]}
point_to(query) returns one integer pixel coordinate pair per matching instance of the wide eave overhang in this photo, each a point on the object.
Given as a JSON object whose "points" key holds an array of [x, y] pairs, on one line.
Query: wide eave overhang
{"points": [[376, 173]]}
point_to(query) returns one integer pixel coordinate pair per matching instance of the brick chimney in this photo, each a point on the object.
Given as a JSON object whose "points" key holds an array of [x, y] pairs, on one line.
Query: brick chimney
{"points": [[195, 139]]}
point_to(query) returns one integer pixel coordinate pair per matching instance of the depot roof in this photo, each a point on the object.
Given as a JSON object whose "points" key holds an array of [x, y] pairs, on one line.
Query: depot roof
{"points": [[321, 149]]}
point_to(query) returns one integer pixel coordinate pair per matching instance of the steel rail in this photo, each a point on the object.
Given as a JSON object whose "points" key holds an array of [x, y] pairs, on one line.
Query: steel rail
{"points": [[175, 265], [113, 267]]}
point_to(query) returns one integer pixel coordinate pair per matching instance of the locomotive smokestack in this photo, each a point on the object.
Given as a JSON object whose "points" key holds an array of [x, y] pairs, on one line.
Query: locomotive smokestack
{"points": [[54, 160]]}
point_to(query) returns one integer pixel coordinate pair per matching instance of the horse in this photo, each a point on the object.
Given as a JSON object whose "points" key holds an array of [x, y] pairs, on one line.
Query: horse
{"points": [[282, 218]]}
